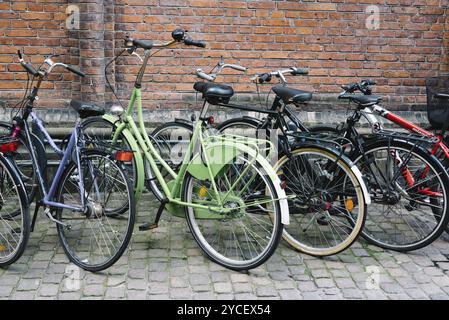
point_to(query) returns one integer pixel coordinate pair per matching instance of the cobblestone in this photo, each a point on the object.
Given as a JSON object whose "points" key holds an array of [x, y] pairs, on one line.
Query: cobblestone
{"points": [[166, 263]]}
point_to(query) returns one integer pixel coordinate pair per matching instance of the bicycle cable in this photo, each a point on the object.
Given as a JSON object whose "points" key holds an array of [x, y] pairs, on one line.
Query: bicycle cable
{"points": [[106, 75]]}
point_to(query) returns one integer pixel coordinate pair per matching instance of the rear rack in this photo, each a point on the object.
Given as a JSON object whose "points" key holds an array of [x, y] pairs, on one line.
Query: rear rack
{"points": [[407, 136]]}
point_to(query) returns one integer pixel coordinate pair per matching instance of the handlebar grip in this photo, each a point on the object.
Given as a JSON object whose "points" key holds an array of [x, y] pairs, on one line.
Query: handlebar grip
{"points": [[191, 42], [144, 44], [20, 54], [350, 87], [204, 76], [264, 77], [441, 95], [368, 82], [237, 67], [29, 68], [76, 71], [299, 71]]}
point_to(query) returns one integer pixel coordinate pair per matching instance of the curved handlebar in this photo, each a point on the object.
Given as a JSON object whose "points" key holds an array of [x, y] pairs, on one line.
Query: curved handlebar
{"points": [[190, 42], [212, 76], [205, 76], [178, 35], [363, 86], [31, 70], [76, 71], [267, 76], [441, 95]]}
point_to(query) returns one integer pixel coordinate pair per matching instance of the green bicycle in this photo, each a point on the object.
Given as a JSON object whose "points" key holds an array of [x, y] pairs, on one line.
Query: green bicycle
{"points": [[224, 186]]}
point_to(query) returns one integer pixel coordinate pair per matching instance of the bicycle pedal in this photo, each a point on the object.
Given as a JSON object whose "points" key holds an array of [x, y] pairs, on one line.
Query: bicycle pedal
{"points": [[148, 226]]}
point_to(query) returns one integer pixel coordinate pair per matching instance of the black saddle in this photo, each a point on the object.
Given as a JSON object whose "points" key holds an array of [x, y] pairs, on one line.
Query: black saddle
{"points": [[362, 100], [86, 110], [214, 93], [289, 95]]}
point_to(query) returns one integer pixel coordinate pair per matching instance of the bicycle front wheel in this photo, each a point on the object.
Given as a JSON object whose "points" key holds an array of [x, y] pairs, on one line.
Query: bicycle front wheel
{"points": [[96, 238], [14, 214], [248, 230], [328, 210]]}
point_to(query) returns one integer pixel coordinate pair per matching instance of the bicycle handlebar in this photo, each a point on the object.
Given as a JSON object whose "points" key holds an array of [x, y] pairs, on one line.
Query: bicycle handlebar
{"points": [[267, 76], [441, 95], [205, 76], [363, 86], [212, 76], [76, 71], [190, 42], [178, 35], [31, 70]]}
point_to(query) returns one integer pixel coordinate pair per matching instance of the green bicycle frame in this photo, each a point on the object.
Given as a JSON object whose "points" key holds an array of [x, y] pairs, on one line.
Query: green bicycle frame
{"points": [[196, 162], [206, 170]]}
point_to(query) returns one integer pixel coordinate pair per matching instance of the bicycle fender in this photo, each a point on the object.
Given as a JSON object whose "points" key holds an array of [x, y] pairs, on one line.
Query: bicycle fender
{"points": [[358, 174], [140, 185], [222, 153]]}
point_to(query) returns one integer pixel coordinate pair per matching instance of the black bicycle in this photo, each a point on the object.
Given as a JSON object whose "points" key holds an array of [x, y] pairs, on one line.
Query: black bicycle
{"points": [[408, 185]]}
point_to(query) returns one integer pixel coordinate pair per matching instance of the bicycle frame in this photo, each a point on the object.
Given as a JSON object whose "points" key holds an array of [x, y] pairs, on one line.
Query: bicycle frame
{"points": [[73, 147], [371, 112], [173, 188]]}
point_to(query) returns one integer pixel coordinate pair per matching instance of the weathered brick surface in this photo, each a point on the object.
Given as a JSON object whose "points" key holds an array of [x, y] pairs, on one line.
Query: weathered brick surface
{"points": [[329, 37]]}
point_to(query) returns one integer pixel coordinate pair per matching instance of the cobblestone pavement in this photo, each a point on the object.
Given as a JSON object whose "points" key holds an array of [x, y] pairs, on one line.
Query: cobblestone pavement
{"points": [[166, 263]]}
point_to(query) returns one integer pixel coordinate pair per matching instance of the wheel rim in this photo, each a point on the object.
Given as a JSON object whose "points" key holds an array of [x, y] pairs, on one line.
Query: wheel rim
{"points": [[327, 215], [95, 237], [12, 222], [411, 220], [246, 239]]}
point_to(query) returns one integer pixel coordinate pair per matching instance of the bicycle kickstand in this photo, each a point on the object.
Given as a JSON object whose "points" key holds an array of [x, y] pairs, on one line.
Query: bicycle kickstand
{"points": [[36, 210], [149, 226]]}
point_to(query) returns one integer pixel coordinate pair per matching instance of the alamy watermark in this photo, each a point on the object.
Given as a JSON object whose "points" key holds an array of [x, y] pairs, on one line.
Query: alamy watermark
{"points": [[72, 282], [372, 22], [73, 20], [372, 282]]}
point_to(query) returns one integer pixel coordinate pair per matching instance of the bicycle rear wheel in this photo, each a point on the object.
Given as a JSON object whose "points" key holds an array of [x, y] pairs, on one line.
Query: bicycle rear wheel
{"points": [[99, 131], [14, 214], [328, 211], [409, 191], [95, 239]]}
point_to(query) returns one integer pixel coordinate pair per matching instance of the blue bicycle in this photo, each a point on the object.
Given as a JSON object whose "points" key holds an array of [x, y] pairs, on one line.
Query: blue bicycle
{"points": [[90, 198]]}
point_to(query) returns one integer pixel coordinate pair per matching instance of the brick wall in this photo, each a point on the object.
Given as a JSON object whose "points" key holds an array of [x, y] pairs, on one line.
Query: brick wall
{"points": [[329, 37]]}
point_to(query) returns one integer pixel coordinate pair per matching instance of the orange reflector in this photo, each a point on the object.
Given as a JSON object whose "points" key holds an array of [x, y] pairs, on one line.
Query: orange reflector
{"points": [[283, 185], [202, 192], [349, 205], [2, 248], [9, 147], [124, 156]]}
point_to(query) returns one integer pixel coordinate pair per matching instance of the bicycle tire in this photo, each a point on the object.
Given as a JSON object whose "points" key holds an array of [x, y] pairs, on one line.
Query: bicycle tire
{"points": [[212, 251], [66, 175], [22, 198]]}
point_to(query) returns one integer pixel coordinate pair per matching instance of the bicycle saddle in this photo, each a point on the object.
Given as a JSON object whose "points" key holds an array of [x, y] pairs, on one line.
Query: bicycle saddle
{"points": [[86, 110], [362, 100], [289, 95], [214, 92]]}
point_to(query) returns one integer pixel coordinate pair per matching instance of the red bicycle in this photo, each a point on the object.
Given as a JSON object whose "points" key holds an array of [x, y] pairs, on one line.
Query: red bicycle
{"points": [[407, 182]]}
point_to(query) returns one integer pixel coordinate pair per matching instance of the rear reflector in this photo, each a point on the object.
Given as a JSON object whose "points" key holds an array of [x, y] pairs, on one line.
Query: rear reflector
{"points": [[124, 156], [9, 147]]}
